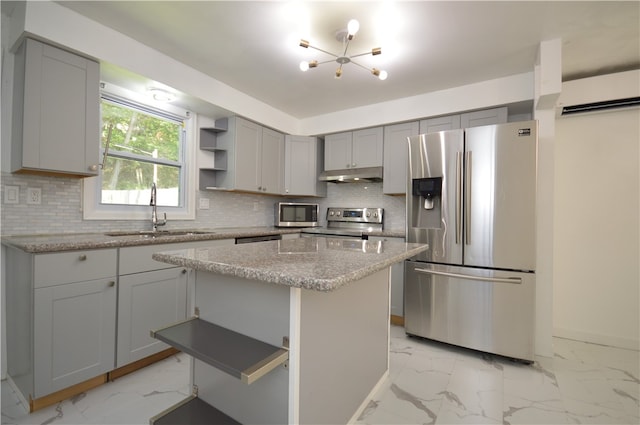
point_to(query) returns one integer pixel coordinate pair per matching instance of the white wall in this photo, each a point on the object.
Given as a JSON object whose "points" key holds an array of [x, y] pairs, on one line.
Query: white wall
{"points": [[597, 254]]}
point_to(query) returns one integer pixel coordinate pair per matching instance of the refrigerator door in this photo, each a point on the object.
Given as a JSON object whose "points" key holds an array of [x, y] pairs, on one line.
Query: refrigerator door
{"points": [[500, 196], [486, 310], [436, 221]]}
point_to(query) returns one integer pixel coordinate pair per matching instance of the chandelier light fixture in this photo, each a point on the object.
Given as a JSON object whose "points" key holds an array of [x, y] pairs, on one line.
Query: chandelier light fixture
{"points": [[345, 36]]}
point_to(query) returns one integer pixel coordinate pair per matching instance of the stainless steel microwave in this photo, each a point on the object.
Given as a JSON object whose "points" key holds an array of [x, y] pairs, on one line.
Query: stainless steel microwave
{"points": [[290, 214]]}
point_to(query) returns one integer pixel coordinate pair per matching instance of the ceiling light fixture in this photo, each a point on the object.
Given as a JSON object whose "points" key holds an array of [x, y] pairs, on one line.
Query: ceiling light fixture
{"points": [[161, 95], [345, 36]]}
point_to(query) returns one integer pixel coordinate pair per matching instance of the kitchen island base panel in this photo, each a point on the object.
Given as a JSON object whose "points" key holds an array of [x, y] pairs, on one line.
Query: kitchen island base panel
{"points": [[338, 356], [259, 311], [344, 348]]}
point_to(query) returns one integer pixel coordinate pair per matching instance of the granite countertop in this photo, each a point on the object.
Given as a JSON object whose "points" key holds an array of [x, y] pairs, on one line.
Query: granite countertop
{"points": [[315, 263], [75, 241], [46, 243]]}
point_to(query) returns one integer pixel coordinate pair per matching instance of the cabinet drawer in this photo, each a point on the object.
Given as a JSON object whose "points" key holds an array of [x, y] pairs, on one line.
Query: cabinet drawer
{"points": [[137, 259], [76, 266]]}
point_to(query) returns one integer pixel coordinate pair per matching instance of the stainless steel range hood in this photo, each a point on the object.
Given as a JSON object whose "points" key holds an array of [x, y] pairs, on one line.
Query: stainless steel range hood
{"points": [[352, 175]]}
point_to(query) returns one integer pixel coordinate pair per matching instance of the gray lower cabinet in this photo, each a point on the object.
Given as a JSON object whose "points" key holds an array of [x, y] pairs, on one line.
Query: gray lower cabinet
{"points": [[62, 310], [397, 281], [151, 295], [145, 301], [76, 315], [74, 333]]}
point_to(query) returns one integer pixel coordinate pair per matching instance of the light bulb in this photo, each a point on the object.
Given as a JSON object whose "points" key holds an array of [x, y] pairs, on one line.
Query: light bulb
{"points": [[383, 75], [304, 66], [352, 28]]}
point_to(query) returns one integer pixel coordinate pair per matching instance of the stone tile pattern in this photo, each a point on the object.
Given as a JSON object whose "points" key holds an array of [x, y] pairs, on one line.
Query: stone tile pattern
{"points": [[429, 383], [61, 207], [433, 383]]}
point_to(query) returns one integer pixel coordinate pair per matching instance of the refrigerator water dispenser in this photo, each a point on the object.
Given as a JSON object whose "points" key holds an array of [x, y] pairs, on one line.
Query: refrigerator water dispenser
{"points": [[429, 189]]}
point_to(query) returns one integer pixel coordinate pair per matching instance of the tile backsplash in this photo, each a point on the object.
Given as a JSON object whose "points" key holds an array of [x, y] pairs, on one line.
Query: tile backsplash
{"points": [[60, 210]]}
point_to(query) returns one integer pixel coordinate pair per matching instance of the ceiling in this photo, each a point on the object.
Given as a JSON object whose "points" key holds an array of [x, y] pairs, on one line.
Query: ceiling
{"points": [[427, 46]]}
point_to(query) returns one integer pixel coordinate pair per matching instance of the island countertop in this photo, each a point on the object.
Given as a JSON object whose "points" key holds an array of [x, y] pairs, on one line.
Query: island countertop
{"points": [[318, 263]]}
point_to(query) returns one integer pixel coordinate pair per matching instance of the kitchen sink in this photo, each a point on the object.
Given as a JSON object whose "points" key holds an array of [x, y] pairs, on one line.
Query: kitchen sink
{"points": [[159, 233]]}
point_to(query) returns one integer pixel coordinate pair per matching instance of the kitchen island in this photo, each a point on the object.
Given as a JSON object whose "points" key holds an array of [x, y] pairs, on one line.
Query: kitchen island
{"points": [[315, 312]]}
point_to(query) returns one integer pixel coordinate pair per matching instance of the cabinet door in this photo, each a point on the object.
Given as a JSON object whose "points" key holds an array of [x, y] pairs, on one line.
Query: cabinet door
{"points": [[272, 152], [300, 159], [61, 121], [148, 301], [396, 152], [74, 333], [337, 151], [367, 148], [433, 125], [485, 117], [248, 162]]}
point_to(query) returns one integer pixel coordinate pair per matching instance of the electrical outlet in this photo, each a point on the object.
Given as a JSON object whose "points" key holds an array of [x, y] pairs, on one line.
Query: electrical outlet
{"points": [[11, 194], [34, 195], [204, 203]]}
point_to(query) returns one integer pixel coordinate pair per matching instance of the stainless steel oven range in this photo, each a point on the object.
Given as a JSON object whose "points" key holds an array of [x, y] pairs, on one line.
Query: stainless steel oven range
{"points": [[350, 222]]}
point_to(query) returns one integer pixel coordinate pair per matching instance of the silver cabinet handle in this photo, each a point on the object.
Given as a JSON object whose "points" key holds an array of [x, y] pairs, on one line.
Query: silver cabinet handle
{"points": [[467, 201], [458, 206], [184, 271], [111, 283], [468, 277], [82, 257], [93, 167]]}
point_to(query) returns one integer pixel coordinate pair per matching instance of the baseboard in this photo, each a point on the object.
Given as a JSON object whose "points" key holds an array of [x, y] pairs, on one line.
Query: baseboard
{"points": [[132, 367], [397, 320], [58, 396], [613, 341]]}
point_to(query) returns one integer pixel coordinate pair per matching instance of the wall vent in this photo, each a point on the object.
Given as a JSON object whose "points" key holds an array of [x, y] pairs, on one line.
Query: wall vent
{"points": [[599, 94], [601, 106]]}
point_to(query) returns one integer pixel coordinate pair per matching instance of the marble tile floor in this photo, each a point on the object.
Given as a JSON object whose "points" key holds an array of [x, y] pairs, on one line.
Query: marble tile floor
{"points": [[429, 383]]}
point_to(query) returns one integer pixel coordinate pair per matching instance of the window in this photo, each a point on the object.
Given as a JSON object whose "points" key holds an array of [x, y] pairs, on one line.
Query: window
{"points": [[140, 145]]}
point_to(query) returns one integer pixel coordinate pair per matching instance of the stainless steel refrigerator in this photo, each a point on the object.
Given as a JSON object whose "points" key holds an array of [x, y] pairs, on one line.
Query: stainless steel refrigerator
{"points": [[471, 195]]}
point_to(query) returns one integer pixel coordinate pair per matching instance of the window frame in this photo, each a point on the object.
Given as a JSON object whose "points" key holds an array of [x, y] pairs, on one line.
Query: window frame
{"points": [[93, 209]]}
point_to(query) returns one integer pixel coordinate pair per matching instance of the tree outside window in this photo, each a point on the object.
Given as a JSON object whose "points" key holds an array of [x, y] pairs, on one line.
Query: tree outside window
{"points": [[142, 148]]}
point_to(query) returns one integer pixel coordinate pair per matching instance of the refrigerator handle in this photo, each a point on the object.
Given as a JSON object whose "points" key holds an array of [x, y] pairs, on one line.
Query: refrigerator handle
{"points": [[467, 200], [458, 196], [469, 277]]}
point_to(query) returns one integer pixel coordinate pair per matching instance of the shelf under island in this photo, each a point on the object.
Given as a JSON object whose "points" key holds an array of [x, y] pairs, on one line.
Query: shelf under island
{"points": [[291, 331]]}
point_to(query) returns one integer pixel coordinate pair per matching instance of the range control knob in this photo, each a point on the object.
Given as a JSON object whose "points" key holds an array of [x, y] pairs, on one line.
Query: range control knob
{"points": [[368, 214], [331, 212], [338, 213], [375, 214]]}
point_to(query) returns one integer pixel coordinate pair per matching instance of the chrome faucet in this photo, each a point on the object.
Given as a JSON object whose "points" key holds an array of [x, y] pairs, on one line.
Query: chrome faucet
{"points": [[154, 212]]}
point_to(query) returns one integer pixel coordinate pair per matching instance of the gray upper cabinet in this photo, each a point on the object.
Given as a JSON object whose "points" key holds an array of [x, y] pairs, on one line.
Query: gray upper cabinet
{"points": [[395, 156], [56, 122], [484, 117], [302, 166], [357, 149], [433, 125], [241, 156]]}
